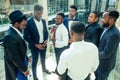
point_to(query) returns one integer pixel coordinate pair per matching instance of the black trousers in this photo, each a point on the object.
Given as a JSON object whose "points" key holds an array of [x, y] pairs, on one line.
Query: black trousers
{"points": [[67, 78], [102, 75], [58, 52], [35, 56]]}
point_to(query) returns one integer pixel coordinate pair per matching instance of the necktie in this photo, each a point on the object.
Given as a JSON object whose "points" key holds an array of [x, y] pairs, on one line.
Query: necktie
{"points": [[53, 31]]}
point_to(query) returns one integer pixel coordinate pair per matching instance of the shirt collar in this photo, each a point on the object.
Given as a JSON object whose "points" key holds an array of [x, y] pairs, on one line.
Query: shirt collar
{"points": [[36, 20], [17, 31], [76, 43], [72, 19], [58, 25]]}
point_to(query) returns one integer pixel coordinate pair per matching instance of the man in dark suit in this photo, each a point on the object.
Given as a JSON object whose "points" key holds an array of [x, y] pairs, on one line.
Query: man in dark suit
{"points": [[15, 48], [68, 20], [108, 44], [93, 30], [36, 35]]}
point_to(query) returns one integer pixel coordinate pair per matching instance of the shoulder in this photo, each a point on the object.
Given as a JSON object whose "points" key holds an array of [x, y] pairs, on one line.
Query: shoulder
{"points": [[97, 25], [63, 28], [91, 45], [114, 30], [66, 18], [77, 19], [117, 30], [8, 39], [66, 53], [43, 20], [30, 19]]}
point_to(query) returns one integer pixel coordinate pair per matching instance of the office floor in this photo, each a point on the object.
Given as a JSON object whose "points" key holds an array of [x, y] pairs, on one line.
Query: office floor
{"points": [[51, 65]]}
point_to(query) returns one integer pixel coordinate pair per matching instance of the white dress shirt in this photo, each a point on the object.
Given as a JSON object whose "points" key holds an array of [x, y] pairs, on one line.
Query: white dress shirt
{"points": [[80, 60], [39, 26], [61, 37], [70, 22]]}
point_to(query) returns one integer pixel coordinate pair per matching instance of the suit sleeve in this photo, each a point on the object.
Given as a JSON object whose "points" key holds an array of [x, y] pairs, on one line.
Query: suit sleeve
{"points": [[27, 35], [45, 31], [13, 54], [111, 46], [65, 22], [96, 36]]}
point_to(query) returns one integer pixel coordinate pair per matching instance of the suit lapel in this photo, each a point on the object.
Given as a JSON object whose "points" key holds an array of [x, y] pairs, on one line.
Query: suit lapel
{"points": [[68, 24], [107, 32], [44, 26], [35, 27], [17, 36]]}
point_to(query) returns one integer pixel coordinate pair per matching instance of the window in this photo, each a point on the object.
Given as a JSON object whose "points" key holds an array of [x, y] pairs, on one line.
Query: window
{"points": [[55, 6]]}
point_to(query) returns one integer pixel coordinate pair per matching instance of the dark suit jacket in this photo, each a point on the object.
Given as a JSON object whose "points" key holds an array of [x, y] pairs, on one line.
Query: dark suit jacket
{"points": [[66, 20], [15, 53], [31, 34], [92, 33], [107, 49], [66, 23]]}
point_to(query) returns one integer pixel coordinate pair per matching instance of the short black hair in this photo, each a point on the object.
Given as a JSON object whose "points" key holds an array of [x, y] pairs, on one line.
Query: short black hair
{"points": [[20, 20], [78, 27], [74, 7], [38, 7], [61, 14], [114, 14], [96, 13]]}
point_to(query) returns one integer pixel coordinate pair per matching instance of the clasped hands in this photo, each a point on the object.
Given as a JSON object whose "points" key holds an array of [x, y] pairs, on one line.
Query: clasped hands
{"points": [[41, 46]]}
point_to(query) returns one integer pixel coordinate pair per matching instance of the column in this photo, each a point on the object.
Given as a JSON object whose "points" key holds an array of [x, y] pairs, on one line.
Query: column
{"points": [[118, 9], [71, 2], [45, 11]]}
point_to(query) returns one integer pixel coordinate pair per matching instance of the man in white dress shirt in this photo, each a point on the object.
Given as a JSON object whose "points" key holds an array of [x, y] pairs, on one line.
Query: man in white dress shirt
{"points": [[81, 59], [59, 35]]}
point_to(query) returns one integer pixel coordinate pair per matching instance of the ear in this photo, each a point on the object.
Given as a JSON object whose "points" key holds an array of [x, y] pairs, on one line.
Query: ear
{"points": [[96, 19], [16, 24], [71, 33], [111, 20]]}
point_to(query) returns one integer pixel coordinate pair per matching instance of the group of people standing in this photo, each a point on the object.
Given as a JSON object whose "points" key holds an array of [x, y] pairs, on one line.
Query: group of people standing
{"points": [[82, 53]]}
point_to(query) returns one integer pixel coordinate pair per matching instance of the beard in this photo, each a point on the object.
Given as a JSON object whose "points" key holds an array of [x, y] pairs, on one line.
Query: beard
{"points": [[105, 24], [18, 28]]}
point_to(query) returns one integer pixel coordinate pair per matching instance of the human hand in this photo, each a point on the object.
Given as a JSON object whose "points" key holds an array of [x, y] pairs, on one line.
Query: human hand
{"points": [[59, 78], [29, 60], [39, 46], [26, 73], [45, 43], [92, 76]]}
